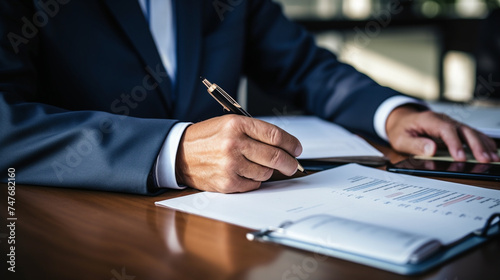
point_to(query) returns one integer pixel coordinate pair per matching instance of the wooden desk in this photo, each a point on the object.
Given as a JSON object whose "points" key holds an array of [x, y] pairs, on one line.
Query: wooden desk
{"points": [[78, 234]]}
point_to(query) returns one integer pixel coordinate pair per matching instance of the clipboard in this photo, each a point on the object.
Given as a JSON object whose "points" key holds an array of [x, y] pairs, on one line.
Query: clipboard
{"points": [[490, 230]]}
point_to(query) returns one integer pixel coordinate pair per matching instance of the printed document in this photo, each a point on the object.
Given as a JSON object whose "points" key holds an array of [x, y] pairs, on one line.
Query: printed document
{"points": [[444, 210]]}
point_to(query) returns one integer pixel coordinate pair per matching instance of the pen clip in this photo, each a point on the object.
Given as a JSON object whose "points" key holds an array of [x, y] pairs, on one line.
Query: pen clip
{"points": [[224, 99], [210, 90], [227, 96]]}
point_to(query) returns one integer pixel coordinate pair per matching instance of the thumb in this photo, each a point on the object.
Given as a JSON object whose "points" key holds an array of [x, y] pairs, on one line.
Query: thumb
{"points": [[415, 145]]}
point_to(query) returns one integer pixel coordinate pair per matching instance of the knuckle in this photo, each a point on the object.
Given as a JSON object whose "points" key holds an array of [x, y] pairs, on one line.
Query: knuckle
{"points": [[446, 127], [232, 121], [227, 185], [276, 158], [229, 144], [275, 135], [440, 116], [442, 120], [229, 163], [398, 142], [467, 129], [268, 172], [263, 174]]}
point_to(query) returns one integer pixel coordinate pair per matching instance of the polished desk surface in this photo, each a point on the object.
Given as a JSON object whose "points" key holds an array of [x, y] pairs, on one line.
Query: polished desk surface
{"points": [[79, 234]]}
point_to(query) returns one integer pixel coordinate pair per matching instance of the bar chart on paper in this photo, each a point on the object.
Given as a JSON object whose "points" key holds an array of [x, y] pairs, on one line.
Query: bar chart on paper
{"points": [[417, 197]]}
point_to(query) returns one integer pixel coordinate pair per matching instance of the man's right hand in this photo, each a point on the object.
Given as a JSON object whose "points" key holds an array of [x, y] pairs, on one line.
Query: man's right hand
{"points": [[234, 154]]}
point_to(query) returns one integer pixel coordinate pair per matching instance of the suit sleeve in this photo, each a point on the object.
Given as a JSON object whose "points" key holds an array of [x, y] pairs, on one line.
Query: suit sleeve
{"points": [[52, 146], [291, 64]]}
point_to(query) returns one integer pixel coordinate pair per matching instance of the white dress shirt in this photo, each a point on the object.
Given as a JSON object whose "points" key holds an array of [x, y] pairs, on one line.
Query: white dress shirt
{"points": [[159, 14]]}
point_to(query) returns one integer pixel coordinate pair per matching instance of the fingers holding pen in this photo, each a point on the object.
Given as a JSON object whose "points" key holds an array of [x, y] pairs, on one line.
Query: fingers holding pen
{"points": [[270, 156], [271, 147], [269, 134], [234, 153]]}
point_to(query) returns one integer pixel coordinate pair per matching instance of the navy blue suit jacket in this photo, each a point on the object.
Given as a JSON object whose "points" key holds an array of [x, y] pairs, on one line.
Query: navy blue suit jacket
{"points": [[85, 101]]}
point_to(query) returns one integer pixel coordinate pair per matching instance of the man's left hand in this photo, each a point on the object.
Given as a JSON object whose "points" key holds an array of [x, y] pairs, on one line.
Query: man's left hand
{"points": [[419, 132]]}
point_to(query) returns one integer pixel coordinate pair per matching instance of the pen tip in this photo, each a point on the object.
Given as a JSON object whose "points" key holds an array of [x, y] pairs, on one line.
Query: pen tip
{"points": [[301, 169], [202, 78]]}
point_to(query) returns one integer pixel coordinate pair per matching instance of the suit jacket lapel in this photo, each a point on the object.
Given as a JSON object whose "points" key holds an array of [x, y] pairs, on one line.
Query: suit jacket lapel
{"points": [[189, 45], [131, 19]]}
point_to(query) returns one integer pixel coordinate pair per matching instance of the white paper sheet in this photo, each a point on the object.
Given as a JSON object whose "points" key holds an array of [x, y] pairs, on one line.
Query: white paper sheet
{"points": [[322, 139], [484, 119], [444, 210]]}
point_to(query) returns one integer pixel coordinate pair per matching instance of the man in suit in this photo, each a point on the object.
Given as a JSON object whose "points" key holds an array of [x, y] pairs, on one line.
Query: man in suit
{"points": [[105, 94]]}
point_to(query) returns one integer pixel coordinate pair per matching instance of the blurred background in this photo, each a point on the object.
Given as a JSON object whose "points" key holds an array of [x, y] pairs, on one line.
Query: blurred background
{"points": [[438, 50]]}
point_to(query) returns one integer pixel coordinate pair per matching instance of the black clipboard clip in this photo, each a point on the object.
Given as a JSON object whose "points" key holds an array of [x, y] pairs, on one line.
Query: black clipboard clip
{"points": [[488, 230], [261, 234]]}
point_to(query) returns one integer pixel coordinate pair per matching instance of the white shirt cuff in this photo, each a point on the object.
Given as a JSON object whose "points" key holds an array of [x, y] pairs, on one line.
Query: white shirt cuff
{"points": [[386, 108], [165, 162]]}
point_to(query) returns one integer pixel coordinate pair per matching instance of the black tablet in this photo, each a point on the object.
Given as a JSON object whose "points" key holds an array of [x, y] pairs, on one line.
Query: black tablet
{"points": [[451, 169]]}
